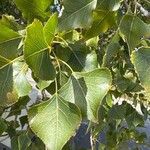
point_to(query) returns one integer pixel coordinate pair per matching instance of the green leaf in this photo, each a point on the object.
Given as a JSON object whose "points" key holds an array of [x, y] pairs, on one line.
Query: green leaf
{"points": [[81, 57], [83, 61], [104, 17], [14, 143], [103, 20], [36, 144], [73, 92], [33, 9], [76, 14], [19, 74], [36, 52], [117, 112], [54, 121], [8, 93], [133, 29], [107, 5], [22, 142], [18, 106], [50, 28], [141, 61], [79, 90], [93, 42], [43, 84], [70, 36], [133, 118], [23, 121], [78, 56], [10, 22], [9, 41], [111, 51]]}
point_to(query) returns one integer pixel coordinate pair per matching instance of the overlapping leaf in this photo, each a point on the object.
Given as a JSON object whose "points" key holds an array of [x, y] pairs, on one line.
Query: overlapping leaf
{"points": [[141, 61], [133, 29], [76, 14], [20, 79], [10, 22], [78, 56], [9, 41], [87, 90], [50, 28], [37, 50], [103, 17], [21, 142], [82, 60], [54, 121], [103, 20], [33, 8]]}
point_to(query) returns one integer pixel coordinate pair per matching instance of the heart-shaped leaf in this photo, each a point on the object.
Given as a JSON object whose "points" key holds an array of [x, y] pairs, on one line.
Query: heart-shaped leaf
{"points": [[54, 121], [87, 90]]}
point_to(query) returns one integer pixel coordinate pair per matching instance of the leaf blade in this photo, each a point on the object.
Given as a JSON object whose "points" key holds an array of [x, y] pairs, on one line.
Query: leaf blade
{"points": [[36, 52], [55, 130], [76, 14]]}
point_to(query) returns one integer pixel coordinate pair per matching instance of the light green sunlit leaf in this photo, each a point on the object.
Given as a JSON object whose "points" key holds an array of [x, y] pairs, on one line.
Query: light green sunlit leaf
{"points": [[87, 90], [54, 121]]}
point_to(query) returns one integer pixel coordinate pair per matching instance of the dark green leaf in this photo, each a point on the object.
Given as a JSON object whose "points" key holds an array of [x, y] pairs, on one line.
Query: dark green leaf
{"points": [[23, 141], [111, 51], [76, 14], [3, 126], [36, 52]]}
